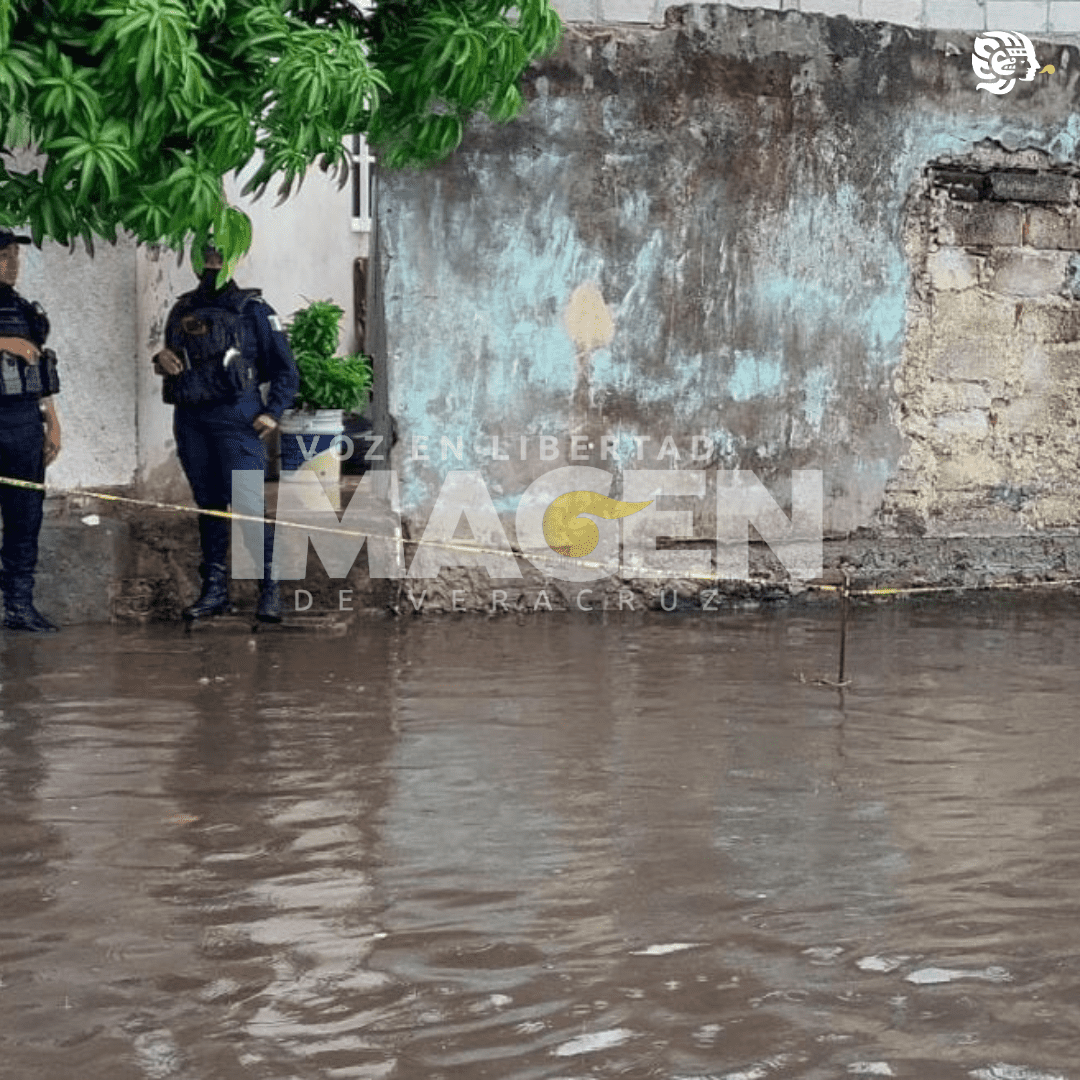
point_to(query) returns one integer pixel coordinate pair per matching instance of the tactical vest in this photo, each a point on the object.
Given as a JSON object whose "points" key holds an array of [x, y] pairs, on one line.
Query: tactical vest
{"points": [[208, 334], [20, 379]]}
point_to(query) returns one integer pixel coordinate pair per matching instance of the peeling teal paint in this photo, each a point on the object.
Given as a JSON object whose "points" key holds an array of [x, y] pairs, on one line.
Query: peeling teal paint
{"points": [[625, 449], [864, 290], [1065, 143], [754, 376], [725, 448], [635, 314], [459, 361], [684, 382], [607, 372], [540, 355], [635, 208], [817, 389]]}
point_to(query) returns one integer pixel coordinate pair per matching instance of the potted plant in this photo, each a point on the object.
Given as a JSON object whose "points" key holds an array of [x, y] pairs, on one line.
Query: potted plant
{"points": [[330, 386]]}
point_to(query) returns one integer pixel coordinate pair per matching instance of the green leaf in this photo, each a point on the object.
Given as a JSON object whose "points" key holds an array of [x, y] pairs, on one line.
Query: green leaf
{"points": [[19, 131]]}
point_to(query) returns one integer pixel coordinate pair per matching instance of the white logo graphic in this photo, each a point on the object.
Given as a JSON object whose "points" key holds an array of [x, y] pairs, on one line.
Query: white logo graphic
{"points": [[1000, 58]]}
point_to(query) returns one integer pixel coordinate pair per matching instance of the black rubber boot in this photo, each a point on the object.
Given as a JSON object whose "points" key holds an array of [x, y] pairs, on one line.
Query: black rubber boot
{"points": [[19, 610], [269, 610], [215, 594]]}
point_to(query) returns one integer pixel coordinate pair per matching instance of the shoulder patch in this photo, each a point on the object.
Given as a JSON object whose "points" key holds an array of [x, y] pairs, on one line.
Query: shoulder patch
{"points": [[275, 324]]}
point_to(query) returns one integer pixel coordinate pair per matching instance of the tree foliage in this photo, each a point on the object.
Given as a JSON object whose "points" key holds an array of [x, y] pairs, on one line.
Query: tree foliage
{"points": [[137, 109]]}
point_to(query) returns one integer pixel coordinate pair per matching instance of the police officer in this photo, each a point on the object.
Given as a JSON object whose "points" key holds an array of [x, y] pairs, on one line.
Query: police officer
{"points": [[27, 382], [220, 345]]}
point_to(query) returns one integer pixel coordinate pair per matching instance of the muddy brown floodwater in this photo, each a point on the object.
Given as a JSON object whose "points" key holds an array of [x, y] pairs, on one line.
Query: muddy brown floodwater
{"points": [[565, 849]]}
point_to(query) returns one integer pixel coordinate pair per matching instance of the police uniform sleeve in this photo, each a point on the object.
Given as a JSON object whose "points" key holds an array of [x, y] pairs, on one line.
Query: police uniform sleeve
{"points": [[275, 361]]}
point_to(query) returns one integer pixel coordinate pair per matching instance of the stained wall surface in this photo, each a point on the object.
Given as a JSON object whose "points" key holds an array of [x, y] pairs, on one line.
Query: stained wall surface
{"points": [[728, 228], [91, 307]]}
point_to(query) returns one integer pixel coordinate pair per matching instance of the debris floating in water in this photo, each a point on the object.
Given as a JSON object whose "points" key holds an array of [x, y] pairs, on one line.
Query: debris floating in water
{"points": [[880, 963], [1013, 1072], [663, 950], [823, 954], [930, 975], [597, 1040]]}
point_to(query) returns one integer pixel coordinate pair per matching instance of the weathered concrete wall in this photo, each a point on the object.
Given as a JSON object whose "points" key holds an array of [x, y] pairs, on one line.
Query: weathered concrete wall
{"points": [[703, 230], [90, 303]]}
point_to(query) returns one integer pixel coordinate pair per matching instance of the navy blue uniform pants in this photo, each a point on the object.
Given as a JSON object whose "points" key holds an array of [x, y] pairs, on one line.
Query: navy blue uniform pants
{"points": [[212, 442], [22, 457]]}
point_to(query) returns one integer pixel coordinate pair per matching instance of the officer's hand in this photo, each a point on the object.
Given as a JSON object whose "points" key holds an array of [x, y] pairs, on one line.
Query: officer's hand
{"points": [[52, 441], [168, 363], [264, 424]]}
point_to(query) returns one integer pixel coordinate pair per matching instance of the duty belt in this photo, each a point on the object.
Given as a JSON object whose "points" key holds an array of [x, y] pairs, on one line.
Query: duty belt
{"points": [[20, 378]]}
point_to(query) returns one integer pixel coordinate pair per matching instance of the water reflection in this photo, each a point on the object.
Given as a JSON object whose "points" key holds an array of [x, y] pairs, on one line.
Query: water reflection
{"points": [[562, 849]]}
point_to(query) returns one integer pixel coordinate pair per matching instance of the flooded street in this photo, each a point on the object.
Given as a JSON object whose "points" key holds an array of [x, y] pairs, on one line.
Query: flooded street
{"points": [[466, 849]]}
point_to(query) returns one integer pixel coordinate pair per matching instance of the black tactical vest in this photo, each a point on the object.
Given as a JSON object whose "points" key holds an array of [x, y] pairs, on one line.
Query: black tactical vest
{"points": [[19, 379], [209, 334]]}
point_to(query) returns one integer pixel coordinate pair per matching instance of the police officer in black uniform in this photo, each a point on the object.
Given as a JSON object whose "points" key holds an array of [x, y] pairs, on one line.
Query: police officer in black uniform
{"points": [[29, 437], [220, 345]]}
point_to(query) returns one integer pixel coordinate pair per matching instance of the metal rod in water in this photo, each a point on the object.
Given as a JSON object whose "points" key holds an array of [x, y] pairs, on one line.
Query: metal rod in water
{"points": [[843, 626]]}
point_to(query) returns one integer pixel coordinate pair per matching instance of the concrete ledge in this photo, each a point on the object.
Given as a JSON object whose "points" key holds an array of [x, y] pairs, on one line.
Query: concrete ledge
{"points": [[888, 564], [145, 569], [873, 562], [80, 567]]}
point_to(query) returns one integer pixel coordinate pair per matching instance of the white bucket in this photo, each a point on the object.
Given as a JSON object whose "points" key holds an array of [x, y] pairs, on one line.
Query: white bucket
{"points": [[311, 442]]}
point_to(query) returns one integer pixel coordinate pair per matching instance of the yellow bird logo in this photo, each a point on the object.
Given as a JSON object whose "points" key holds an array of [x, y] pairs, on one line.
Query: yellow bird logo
{"points": [[568, 534]]}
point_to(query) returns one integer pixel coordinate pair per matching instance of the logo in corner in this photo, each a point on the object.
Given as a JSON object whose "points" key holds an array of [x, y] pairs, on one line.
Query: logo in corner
{"points": [[1001, 58]]}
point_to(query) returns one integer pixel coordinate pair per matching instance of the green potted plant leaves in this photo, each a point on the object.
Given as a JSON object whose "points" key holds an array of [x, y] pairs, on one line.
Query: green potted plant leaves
{"points": [[330, 386]]}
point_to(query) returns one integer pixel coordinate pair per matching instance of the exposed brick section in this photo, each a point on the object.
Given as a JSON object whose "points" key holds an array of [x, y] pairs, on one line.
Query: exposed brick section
{"points": [[953, 269], [990, 386], [1028, 273], [628, 10], [982, 224], [966, 184], [970, 423], [1047, 228], [902, 12], [1037, 187], [1064, 17], [1060, 325], [1023, 15]]}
